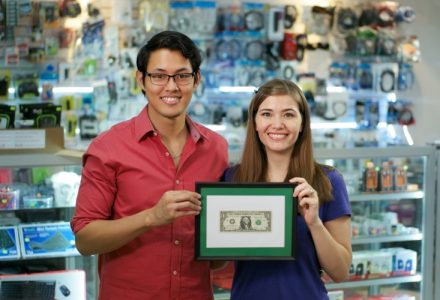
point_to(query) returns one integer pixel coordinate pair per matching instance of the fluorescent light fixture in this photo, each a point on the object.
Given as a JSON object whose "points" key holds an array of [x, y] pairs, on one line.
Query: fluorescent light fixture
{"points": [[237, 89], [65, 90], [73, 89], [333, 125], [336, 89], [216, 128]]}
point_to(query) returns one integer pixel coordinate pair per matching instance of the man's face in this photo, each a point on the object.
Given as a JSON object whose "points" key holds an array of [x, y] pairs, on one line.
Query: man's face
{"points": [[169, 100]]}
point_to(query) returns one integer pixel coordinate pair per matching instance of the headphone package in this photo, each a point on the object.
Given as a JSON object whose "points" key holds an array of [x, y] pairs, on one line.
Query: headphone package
{"points": [[40, 115], [364, 76], [254, 17], [385, 77], [5, 81], [27, 86], [7, 116], [181, 17], [204, 13]]}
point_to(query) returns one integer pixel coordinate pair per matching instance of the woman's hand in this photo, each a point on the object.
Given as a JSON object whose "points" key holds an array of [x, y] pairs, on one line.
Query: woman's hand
{"points": [[308, 201]]}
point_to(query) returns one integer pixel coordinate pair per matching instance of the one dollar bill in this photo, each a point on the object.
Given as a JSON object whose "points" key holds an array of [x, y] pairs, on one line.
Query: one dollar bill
{"points": [[245, 221]]}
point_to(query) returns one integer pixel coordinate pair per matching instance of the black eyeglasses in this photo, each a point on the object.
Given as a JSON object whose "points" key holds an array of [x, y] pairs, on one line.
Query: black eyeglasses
{"points": [[162, 79]]}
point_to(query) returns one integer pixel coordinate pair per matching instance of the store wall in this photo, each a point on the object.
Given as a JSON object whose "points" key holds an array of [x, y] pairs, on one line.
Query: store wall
{"points": [[426, 93]]}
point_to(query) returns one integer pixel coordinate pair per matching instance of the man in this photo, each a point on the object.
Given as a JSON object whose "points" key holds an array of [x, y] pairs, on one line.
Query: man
{"points": [[136, 203]]}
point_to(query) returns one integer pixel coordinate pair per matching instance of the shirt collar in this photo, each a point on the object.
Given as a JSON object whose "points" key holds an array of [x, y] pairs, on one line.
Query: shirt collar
{"points": [[144, 128]]}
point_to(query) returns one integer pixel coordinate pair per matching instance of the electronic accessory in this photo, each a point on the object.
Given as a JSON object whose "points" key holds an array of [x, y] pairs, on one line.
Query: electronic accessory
{"points": [[43, 115], [347, 19], [387, 81], [406, 77], [351, 44], [254, 20], [364, 76], [405, 116], [288, 72], [7, 116], [290, 16], [386, 44], [27, 87], [333, 105], [229, 19], [301, 41], [228, 49], [35, 290], [275, 28], [322, 20], [368, 17], [288, 47], [182, 19], [5, 79], [366, 41], [405, 14], [64, 290], [255, 50], [385, 16], [272, 56], [204, 12], [70, 8], [153, 14]]}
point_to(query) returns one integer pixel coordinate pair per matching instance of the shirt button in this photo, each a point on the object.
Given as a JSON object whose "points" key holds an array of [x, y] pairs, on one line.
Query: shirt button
{"points": [[174, 272], [176, 242], [155, 133], [167, 154], [177, 181]]}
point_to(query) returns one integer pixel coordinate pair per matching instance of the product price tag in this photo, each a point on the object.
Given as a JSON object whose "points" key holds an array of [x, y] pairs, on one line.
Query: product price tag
{"points": [[22, 139]]}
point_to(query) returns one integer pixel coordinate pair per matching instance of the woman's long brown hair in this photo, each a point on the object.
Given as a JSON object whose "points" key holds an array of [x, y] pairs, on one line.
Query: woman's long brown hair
{"points": [[253, 165]]}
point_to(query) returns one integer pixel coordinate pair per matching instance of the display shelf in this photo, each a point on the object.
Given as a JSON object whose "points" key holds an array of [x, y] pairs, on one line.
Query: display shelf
{"points": [[374, 282], [386, 196], [386, 239], [25, 164], [421, 163]]}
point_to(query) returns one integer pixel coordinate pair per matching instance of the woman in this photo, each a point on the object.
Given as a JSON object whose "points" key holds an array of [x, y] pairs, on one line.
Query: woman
{"points": [[278, 148]]}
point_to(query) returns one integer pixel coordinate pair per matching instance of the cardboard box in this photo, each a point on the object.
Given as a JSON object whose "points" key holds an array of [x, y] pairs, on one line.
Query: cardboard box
{"points": [[30, 140]]}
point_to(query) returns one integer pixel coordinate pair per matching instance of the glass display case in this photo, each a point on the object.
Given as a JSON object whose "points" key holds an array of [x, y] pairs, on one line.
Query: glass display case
{"points": [[38, 186], [392, 195]]}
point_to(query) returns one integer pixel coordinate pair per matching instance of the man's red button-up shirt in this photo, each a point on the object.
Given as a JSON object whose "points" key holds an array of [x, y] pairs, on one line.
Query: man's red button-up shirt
{"points": [[126, 170]]}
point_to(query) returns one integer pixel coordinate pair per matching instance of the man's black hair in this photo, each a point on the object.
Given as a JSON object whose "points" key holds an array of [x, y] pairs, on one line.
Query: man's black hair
{"points": [[171, 40]]}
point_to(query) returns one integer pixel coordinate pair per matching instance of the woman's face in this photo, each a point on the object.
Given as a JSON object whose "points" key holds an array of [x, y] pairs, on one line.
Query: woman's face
{"points": [[278, 122]]}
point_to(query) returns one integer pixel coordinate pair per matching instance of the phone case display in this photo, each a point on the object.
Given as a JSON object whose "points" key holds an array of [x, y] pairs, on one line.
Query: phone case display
{"points": [[391, 193]]}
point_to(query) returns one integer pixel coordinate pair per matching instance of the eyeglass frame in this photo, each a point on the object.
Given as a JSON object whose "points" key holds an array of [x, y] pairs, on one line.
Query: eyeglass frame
{"points": [[170, 76]]}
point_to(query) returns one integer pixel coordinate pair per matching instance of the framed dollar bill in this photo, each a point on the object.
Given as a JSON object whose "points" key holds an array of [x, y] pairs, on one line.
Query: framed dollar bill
{"points": [[246, 221]]}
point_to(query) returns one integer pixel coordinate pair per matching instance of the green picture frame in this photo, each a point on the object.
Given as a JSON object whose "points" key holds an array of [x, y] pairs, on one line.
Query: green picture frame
{"points": [[221, 232]]}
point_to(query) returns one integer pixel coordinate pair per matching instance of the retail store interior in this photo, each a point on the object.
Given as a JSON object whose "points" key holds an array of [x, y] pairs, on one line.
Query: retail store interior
{"points": [[369, 70]]}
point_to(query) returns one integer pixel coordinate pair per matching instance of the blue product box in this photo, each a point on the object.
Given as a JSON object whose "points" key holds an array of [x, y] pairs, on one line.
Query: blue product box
{"points": [[43, 240], [9, 246]]}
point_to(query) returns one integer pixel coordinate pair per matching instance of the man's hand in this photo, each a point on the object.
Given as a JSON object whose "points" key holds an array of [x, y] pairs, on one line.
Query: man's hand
{"points": [[173, 205]]}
